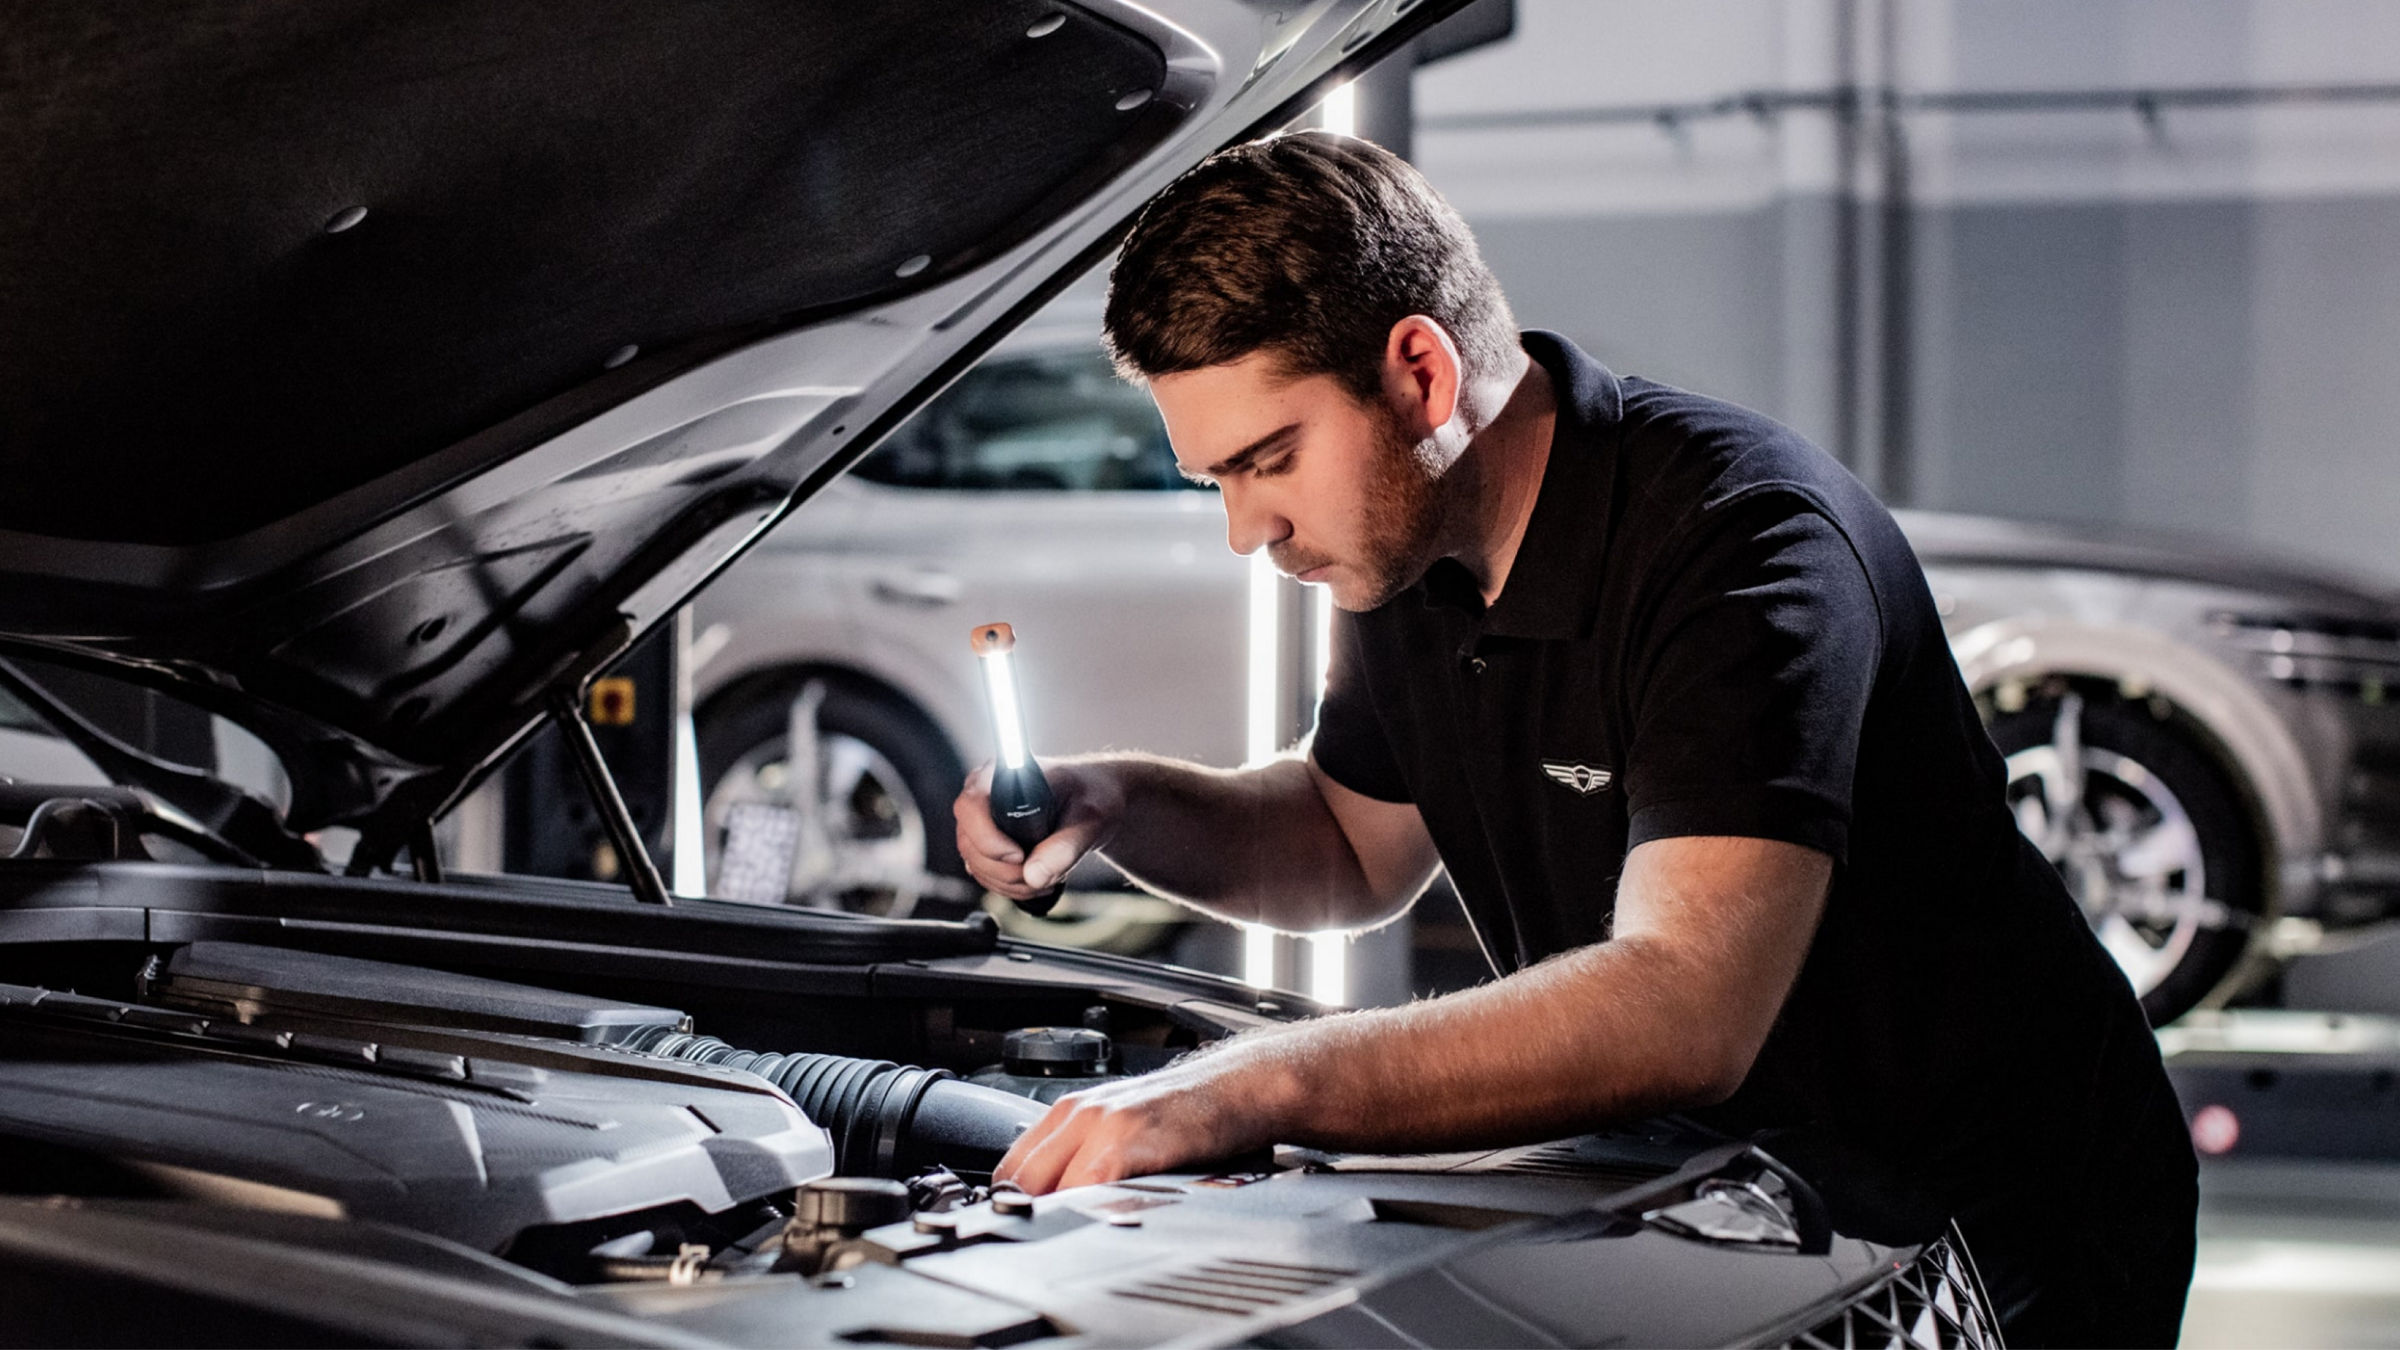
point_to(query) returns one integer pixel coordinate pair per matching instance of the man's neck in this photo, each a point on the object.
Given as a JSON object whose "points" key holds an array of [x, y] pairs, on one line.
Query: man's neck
{"points": [[1496, 496]]}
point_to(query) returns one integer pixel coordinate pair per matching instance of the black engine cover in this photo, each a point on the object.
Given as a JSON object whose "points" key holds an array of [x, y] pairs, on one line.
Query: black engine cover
{"points": [[472, 1149]]}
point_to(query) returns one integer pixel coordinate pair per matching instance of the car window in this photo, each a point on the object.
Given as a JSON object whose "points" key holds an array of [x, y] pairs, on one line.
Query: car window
{"points": [[1058, 421]]}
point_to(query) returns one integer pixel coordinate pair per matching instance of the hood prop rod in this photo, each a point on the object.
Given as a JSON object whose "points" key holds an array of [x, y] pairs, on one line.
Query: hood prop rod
{"points": [[640, 872]]}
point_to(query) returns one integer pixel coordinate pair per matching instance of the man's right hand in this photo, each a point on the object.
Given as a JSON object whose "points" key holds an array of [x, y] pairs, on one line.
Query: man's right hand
{"points": [[1278, 843], [1091, 804]]}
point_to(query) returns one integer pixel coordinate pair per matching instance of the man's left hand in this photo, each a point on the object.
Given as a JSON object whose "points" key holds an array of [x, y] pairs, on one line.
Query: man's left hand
{"points": [[1212, 1106]]}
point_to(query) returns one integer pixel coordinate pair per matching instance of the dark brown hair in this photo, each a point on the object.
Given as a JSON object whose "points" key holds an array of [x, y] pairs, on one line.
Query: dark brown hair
{"points": [[1309, 246]]}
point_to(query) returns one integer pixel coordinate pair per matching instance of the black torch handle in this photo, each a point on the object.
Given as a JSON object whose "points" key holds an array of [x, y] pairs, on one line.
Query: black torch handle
{"points": [[1025, 811]]}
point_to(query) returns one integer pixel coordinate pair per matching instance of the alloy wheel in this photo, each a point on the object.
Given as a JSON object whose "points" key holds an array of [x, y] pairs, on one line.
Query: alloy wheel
{"points": [[2124, 843]]}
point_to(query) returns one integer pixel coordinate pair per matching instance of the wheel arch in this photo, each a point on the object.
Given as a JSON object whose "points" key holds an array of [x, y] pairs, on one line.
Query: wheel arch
{"points": [[2251, 740]]}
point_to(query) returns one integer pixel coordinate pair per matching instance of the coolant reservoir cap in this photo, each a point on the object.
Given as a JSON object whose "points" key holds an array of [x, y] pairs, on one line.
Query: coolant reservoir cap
{"points": [[1056, 1052], [851, 1203]]}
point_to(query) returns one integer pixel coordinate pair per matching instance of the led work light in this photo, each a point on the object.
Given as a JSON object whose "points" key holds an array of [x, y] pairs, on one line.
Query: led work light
{"points": [[1022, 805]]}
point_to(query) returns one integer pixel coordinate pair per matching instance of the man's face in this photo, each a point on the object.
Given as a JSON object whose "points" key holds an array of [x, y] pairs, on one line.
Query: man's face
{"points": [[1329, 486]]}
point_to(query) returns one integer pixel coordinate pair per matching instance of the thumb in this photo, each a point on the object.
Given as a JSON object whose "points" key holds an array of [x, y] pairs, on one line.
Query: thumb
{"points": [[1052, 857]]}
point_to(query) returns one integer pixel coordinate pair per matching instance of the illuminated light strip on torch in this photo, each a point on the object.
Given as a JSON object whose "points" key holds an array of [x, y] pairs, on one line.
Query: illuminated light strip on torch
{"points": [[1008, 719]]}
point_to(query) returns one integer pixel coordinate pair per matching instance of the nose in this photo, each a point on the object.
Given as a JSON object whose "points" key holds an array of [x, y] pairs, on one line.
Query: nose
{"points": [[1250, 524]]}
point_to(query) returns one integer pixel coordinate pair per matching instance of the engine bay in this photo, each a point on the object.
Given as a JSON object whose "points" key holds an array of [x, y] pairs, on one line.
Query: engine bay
{"points": [[520, 1138]]}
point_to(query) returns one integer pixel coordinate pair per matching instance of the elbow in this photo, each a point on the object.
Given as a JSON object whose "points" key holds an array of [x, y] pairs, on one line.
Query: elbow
{"points": [[1377, 899], [1704, 1075], [1715, 1088], [1371, 907], [1351, 900]]}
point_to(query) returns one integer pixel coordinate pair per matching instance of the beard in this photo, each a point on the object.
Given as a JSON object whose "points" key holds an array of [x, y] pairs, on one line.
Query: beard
{"points": [[1399, 530]]}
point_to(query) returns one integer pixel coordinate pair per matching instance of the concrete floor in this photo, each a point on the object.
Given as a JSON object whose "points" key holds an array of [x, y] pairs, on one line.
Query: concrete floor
{"points": [[2297, 1254]]}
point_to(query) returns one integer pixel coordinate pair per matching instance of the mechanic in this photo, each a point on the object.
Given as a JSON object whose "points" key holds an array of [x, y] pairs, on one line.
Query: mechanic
{"points": [[1664, 689]]}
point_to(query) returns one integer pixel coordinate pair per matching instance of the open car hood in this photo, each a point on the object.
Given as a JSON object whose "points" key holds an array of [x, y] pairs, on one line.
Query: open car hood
{"points": [[378, 368]]}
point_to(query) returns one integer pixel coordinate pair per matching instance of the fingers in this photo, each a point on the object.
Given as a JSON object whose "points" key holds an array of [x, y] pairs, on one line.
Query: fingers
{"points": [[999, 864], [1080, 1141], [1089, 1139], [1040, 1156], [1097, 1166], [992, 858]]}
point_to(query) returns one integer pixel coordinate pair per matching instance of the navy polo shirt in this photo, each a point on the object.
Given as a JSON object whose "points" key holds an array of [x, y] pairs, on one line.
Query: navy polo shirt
{"points": [[1711, 628]]}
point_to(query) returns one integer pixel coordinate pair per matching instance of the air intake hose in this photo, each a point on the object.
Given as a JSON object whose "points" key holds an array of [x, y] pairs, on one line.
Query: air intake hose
{"points": [[886, 1119]]}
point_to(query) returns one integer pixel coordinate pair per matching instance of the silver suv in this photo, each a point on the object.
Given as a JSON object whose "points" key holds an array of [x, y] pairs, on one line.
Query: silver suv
{"points": [[2201, 739]]}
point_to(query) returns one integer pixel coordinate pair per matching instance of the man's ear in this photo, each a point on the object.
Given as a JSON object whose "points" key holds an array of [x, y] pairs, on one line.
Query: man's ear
{"points": [[1421, 374]]}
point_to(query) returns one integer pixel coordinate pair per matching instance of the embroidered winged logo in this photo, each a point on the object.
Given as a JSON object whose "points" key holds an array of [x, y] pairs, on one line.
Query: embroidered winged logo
{"points": [[1581, 777]]}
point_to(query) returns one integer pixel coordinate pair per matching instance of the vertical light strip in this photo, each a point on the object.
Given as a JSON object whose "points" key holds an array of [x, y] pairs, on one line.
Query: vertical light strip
{"points": [[1328, 953], [1258, 941], [1329, 967], [691, 834], [688, 837], [1320, 615], [1266, 658], [1258, 956], [1339, 113]]}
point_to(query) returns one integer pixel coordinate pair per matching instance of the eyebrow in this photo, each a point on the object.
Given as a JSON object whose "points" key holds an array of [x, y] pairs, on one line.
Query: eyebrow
{"points": [[1244, 457]]}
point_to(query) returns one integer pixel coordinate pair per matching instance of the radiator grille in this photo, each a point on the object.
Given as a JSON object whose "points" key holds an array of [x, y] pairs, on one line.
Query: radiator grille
{"points": [[1936, 1303]]}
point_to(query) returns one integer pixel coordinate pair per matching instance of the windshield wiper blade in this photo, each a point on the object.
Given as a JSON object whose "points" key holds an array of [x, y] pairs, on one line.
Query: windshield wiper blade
{"points": [[233, 816]]}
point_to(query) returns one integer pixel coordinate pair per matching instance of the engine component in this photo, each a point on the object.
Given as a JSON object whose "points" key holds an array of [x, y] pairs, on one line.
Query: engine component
{"points": [[829, 1214], [886, 1119], [1056, 1052], [941, 1190], [688, 1265], [1047, 1063], [471, 1148]]}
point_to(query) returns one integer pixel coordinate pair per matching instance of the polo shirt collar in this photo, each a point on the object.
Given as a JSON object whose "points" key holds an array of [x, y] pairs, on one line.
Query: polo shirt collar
{"points": [[1553, 587]]}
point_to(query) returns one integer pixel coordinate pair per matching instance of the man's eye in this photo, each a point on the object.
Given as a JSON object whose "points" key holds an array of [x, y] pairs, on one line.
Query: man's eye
{"points": [[1278, 465]]}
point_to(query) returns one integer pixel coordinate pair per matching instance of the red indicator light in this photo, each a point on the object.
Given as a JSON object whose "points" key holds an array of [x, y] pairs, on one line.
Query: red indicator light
{"points": [[2215, 1130]]}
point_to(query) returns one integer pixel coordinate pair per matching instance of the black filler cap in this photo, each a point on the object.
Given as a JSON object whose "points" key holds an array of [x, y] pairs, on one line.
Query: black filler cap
{"points": [[850, 1204], [1056, 1052]]}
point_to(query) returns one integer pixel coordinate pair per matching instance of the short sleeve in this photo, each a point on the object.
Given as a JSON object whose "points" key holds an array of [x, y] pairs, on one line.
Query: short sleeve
{"points": [[1350, 744], [1752, 685]]}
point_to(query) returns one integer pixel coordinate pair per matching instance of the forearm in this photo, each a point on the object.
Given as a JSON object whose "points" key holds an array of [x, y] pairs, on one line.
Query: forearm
{"points": [[1605, 1033], [1249, 845], [1669, 1013]]}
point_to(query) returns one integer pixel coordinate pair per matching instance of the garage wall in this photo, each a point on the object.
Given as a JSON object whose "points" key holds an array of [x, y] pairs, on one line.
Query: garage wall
{"points": [[2188, 323]]}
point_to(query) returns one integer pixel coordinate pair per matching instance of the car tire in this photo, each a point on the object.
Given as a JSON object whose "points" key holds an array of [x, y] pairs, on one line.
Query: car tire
{"points": [[893, 851], [2152, 837]]}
